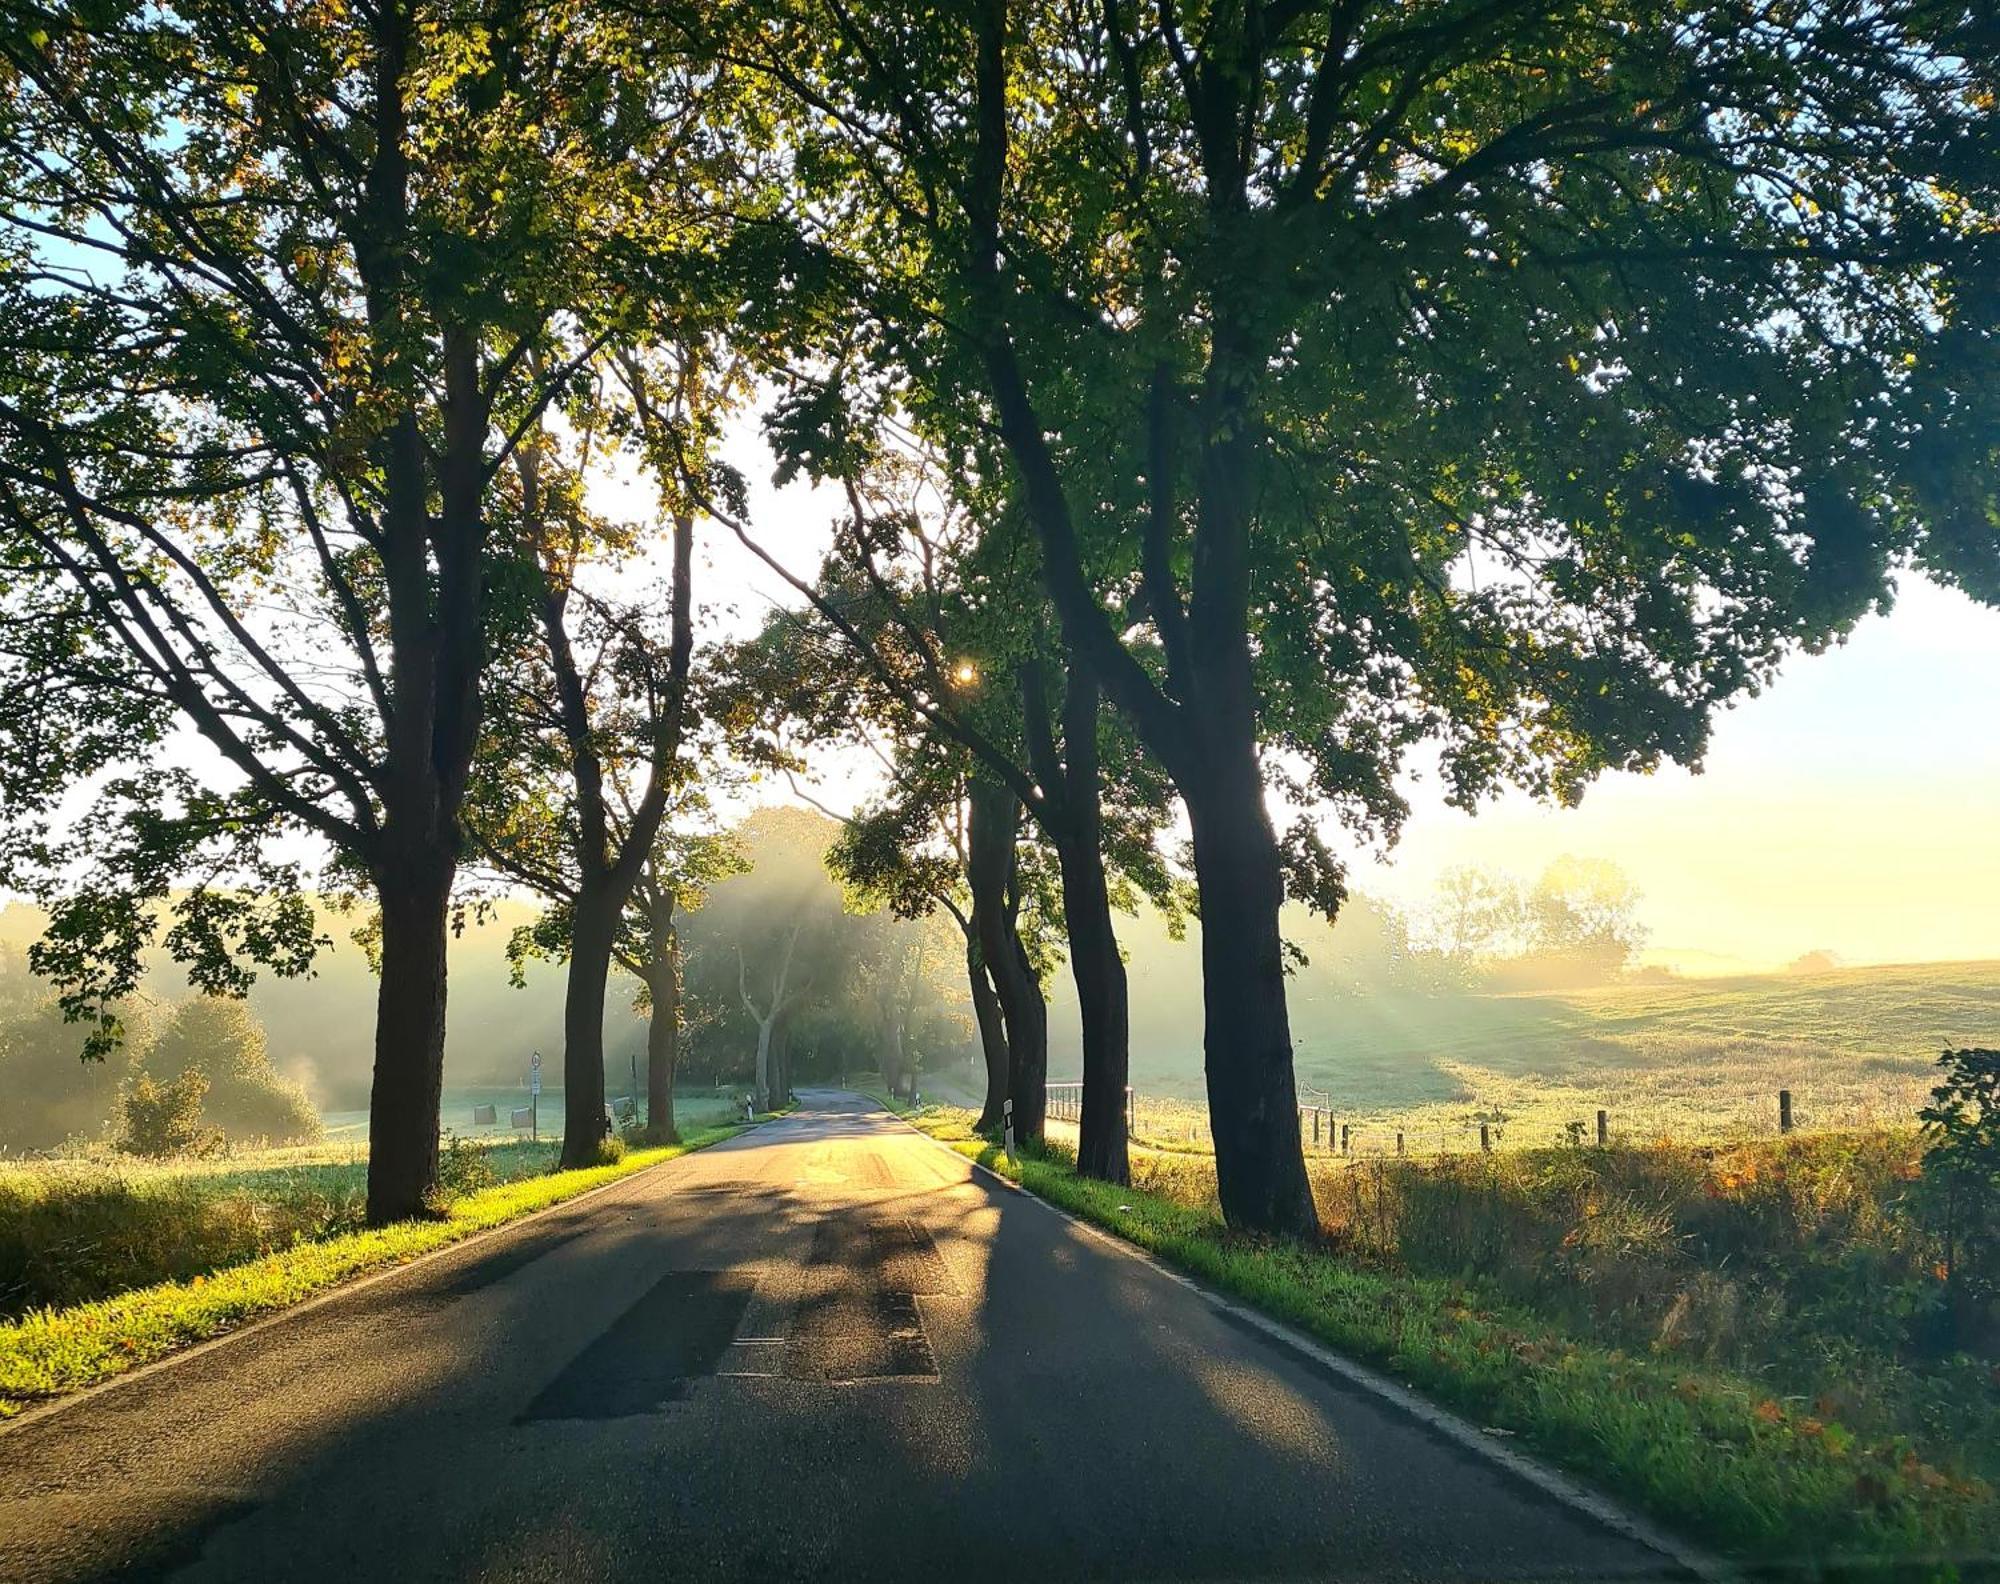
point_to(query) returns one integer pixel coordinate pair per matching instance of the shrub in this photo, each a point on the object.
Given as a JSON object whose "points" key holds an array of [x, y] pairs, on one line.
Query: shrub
{"points": [[1962, 1182], [247, 1097], [463, 1168], [165, 1119]]}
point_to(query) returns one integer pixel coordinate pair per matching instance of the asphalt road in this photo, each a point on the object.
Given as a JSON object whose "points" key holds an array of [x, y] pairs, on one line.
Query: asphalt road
{"points": [[827, 1349]]}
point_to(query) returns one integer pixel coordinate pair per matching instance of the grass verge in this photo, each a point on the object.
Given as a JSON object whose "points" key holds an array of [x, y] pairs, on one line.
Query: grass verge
{"points": [[1705, 1449], [52, 1352]]}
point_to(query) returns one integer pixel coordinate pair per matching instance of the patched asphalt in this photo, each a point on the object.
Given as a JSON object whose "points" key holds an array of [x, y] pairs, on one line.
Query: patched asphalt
{"points": [[825, 1350]]}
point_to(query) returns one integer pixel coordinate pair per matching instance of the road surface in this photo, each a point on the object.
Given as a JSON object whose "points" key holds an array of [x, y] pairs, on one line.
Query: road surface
{"points": [[827, 1349]]}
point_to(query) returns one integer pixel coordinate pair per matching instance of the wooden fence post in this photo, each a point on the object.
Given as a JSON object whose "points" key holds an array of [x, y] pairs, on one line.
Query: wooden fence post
{"points": [[1346, 1137], [1399, 1141], [1485, 1140], [1784, 1110], [1603, 1128]]}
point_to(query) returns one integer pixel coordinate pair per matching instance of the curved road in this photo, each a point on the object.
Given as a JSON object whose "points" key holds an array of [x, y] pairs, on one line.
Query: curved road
{"points": [[827, 1349]]}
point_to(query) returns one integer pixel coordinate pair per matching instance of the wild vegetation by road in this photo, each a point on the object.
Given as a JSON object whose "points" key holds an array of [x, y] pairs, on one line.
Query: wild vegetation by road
{"points": [[1753, 1342]]}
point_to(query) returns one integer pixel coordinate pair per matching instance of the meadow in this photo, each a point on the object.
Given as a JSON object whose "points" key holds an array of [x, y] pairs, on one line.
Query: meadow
{"points": [[1688, 1060], [82, 1227]]}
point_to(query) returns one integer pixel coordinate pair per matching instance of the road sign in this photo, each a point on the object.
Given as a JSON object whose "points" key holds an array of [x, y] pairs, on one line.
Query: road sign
{"points": [[535, 1073]]}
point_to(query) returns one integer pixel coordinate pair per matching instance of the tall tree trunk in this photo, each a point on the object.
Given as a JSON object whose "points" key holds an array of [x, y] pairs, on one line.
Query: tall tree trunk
{"points": [[1072, 813], [409, 1045], [990, 861], [992, 1035], [781, 1065], [988, 849], [663, 1031], [1026, 1011], [763, 1081], [594, 920], [1247, 1040], [1099, 973]]}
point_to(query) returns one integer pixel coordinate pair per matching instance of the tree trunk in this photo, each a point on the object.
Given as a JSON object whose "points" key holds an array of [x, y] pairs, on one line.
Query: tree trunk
{"points": [[763, 1097], [992, 1035], [409, 1047], [663, 1034], [1247, 1041], [990, 834], [781, 1065], [1026, 1012], [593, 921], [1101, 998], [1072, 813]]}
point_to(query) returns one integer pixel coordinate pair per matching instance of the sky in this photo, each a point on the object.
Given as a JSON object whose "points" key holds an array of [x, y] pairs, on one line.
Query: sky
{"points": [[1852, 807]]}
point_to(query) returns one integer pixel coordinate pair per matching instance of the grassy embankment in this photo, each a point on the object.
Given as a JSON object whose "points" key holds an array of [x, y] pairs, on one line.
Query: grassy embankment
{"points": [[1741, 1340], [105, 1265]]}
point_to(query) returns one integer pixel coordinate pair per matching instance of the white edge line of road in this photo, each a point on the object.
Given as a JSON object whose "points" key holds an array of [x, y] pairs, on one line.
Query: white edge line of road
{"points": [[334, 1294], [1544, 1478]]}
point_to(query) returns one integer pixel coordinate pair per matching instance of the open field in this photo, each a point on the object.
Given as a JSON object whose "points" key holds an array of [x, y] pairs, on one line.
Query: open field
{"points": [[1697, 1059], [1745, 1340]]}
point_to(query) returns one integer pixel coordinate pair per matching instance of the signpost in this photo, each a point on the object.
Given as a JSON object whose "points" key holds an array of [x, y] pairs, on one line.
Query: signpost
{"points": [[535, 1097]]}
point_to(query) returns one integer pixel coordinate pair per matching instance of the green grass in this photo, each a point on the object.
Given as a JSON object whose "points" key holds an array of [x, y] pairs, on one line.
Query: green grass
{"points": [[52, 1351], [1718, 1429], [1690, 1059]]}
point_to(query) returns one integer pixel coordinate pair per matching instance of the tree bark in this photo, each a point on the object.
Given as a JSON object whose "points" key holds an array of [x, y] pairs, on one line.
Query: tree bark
{"points": [[990, 861], [663, 1030], [409, 1047], [992, 1035], [1099, 973], [593, 922], [1247, 1040], [1072, 814], [1026, 1012], [763, 1083], [781, 1065]]}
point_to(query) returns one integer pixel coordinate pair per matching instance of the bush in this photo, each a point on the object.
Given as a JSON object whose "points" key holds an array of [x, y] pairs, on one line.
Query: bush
{"points": [[247, 1097], [463, 1168], [165, 1119], [1962, 1184]]}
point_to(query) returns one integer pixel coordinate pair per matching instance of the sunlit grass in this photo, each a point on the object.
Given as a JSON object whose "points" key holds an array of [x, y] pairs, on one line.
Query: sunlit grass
{"points": [[53, 1351], [1691, 1060], [1778, 1431]]}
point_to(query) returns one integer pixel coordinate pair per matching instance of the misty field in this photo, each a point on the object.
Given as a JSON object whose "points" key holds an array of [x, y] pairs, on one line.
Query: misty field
{"points": [[1694, 1060], [77, 1229]]}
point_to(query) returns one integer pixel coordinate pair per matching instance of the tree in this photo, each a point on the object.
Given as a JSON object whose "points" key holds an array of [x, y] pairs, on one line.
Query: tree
{"points": [[282, 292], [1584, 912], [220, 1040], [771, 940], [675, 879], [908, 853], [924, 589], [586, 741], [1366, 383]]}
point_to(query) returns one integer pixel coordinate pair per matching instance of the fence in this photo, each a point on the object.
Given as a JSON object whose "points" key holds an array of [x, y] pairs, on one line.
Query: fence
{"points": [[1065, 1104], [1178, 1124]]}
